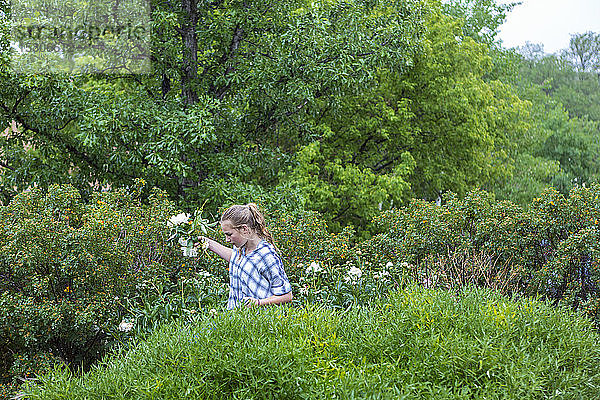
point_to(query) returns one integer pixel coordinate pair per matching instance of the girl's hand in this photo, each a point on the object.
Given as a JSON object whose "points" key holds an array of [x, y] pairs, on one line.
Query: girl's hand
{"points": [[203, 243], [251, 301]]}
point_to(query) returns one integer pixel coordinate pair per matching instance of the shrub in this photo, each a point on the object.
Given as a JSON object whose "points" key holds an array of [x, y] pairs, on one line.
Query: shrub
{"points": [[418, 344], [457, 270], [548, 249], [327, 268], [303, 238], [71, 271]]}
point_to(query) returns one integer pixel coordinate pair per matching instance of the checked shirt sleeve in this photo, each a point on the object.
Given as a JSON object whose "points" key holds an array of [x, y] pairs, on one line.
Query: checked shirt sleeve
{"points": [[275, 274]]}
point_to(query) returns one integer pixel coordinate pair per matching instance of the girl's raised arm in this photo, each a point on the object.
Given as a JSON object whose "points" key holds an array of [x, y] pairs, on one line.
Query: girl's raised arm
{"points": [[222, 251]]}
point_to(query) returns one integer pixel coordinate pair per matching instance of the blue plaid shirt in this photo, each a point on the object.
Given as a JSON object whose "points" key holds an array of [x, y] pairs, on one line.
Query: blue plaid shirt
{"points": [[258, 274]]}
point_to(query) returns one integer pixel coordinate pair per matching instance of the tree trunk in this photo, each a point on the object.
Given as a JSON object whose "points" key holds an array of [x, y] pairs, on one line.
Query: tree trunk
{"points": [[189, 73]]}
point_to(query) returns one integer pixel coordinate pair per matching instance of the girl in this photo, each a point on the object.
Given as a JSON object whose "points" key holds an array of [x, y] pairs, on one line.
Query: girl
{"points": [[256, 275]]}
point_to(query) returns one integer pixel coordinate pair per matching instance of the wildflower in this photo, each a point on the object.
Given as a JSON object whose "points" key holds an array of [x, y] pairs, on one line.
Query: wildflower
{"points": [[178, 219], [304, 290], [182, 241], [382, 274], [187, 252], [355, 272], [203, 273], [313, 268], [125, 326], [212, 312], [389, 264]]}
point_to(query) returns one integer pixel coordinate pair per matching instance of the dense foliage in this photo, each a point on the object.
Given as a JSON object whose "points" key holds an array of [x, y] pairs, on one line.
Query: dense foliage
{"points": [[548, 249], [561, 146], [419, 343], [230, 91], [441, 126], [354, 107], [68, 269]]}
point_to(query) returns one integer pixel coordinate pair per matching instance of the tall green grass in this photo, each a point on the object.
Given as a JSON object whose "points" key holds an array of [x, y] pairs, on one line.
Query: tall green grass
{"points": [[418, 344]]}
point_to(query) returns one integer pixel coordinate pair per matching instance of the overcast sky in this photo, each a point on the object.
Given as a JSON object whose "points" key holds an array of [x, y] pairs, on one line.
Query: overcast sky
{"points": [[549, 22]]}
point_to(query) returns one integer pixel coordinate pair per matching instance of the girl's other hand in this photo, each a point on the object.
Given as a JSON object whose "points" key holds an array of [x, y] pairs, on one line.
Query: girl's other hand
{"points": [[251, 301]]}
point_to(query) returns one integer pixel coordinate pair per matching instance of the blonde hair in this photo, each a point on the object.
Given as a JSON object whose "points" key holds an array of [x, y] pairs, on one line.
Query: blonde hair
{"points": [[249, 215]]}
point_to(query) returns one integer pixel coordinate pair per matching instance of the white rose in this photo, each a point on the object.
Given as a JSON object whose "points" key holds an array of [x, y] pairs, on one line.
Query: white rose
{"points": [[313, 268], [389, 264], [125, 326], [178, 219], [355, 272]]}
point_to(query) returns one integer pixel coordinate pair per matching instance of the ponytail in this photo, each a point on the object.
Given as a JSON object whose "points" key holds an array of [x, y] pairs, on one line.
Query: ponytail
{"points": [[259, 223]]}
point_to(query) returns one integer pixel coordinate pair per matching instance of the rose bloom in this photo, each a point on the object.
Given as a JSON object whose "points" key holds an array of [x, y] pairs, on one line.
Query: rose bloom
{"points": [[178, 219], [125, 326], [313, 268]]}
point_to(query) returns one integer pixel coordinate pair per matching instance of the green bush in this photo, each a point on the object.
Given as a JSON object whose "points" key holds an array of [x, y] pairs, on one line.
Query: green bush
{"points": [[327, 268], [71, 271], [549, 248], [303, 238], [419, 343]]}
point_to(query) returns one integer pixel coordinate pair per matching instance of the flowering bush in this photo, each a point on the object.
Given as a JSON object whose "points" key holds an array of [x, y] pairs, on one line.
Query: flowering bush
{"points": [[549, 248], [72, 272], [303, 238]]}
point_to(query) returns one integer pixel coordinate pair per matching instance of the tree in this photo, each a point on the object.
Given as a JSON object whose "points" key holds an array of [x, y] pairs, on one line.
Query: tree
{"points": [[466, 123], [560, 148], [584, 52], [439, 127], [234, 110], [481, 18], [533, 170], [577, 149], [566, 78]]}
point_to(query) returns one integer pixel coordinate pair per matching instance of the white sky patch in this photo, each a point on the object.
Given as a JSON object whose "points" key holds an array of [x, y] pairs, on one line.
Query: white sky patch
{"points": [[549, 22]]}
